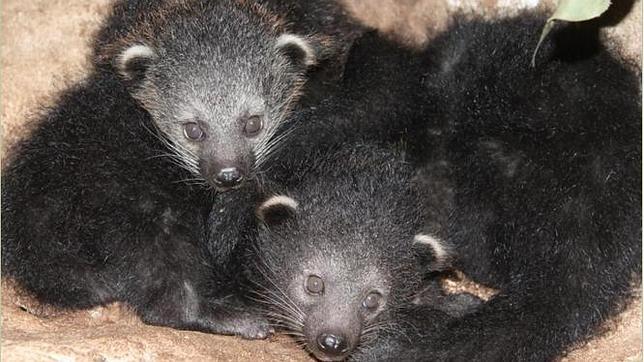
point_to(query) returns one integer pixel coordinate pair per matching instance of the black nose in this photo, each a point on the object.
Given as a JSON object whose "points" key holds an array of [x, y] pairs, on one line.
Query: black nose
{"points": [[229, 177], [332, 344]]}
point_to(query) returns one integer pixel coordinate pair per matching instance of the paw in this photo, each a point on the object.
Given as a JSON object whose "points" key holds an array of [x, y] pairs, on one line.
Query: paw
{"points": [[222, 320], [252, 326]]}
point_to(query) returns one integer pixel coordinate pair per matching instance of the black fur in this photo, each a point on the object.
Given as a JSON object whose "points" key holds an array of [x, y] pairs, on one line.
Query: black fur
{"points": [[315, 17], [326, 24], [531, 177], [546, 189], [92, 214], [353, 216], [354, 229], [96, 209], [380, 100], [209, 66]]}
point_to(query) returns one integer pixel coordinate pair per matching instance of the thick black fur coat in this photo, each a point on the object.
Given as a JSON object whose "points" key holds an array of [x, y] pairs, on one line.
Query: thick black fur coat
{"points": [[544, 174]]}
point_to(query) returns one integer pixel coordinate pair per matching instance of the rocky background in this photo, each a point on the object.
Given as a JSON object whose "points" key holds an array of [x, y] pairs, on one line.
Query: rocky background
{"points": [[44, 48]]}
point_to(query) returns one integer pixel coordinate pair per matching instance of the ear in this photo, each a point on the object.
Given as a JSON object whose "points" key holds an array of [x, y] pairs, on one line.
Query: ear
{"points": [[277, 209], [299, 49], [134, 61], [433, 250]]}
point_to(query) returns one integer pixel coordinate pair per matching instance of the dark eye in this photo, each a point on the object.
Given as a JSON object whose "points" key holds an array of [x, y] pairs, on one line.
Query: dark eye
{"points": [[372, 301], [314, 284], [253, 125], [192, 131]]}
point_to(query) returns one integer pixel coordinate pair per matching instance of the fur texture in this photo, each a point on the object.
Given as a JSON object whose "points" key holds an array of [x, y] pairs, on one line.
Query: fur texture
{"points": [[94, 213], [217, 77], [544, 172], [380, 100], [350, 236], [530, 178], [105, 202], [242, 37], [328, 212]]}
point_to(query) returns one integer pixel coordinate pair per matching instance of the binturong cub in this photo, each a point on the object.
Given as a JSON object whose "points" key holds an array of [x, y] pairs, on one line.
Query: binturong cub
{"points": [[107, 200], [546, 175], [337, 259], [216, 77]]}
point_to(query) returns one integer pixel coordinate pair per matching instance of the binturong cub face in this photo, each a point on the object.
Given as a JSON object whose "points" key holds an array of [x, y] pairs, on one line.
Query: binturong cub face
{"points": [[217, 82], [322, 284], [333, 268]]}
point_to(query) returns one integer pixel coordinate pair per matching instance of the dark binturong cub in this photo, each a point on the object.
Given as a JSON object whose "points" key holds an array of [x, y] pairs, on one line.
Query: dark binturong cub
{"points": [[337, 259], [544, 175]]}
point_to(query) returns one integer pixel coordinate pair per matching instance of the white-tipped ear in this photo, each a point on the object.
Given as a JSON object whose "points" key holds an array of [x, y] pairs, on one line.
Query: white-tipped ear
{"points": [[297, 48], [440, 249], [276, 209], [133, 61]]}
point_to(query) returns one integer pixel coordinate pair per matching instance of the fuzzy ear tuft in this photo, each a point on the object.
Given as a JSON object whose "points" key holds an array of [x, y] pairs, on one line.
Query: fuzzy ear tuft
{"points": [[277, 209], [297, 48], [135, 60], [439, 250]]}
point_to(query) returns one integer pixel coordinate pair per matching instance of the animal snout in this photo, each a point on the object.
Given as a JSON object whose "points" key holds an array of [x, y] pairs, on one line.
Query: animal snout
{"points": [[229, 177], [332, 344]]}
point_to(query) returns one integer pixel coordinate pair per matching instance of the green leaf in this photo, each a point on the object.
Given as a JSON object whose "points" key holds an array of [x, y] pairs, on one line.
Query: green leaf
{"points": [[579, 10], [572, 10]]}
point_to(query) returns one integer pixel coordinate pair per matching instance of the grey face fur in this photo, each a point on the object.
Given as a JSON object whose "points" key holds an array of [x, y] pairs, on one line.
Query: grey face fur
{"points": [[336, 316], [217, 83], [329, 279]]}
